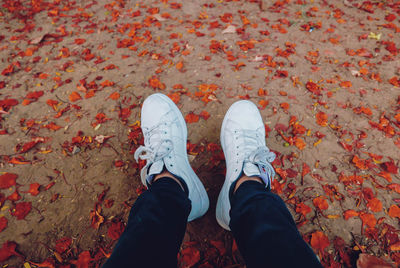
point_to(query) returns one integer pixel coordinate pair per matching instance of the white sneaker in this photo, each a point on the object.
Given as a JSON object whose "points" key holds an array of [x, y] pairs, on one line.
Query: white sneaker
{"points": [[243, 143], [165, 138]]}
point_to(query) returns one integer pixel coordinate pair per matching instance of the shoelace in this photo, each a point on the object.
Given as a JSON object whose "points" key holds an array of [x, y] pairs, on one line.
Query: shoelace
{"points": [[155, 152], [260, 156], [263, 157]]}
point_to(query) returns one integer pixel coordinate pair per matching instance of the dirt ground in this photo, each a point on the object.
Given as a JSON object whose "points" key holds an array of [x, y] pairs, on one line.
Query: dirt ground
{"points": [[325, 75]]}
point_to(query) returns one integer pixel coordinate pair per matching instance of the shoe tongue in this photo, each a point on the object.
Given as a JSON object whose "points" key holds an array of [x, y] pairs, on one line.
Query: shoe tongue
{"points": [[155, 168]]}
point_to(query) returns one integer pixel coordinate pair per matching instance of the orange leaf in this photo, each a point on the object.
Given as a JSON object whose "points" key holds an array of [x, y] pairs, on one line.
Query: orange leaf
{"points": [[320, 202], [350, 214], [74, 96], [107, 83], [156, 83], [394, 211], [52, 126], [80, 41], [114, 96], [284, 105], [303, 209], [34, 189], [191, 118], [319, 241], [361, 163], [374, 204], [263, 103], [179, 65], [175, 97], [322, 119], [299, 143], [346, 84], [205, 115], [394, 81], [368, 219]]}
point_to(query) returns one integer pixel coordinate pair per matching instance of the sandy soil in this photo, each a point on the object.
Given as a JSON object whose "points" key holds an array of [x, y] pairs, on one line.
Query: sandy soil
{"points": [[325, 75]]}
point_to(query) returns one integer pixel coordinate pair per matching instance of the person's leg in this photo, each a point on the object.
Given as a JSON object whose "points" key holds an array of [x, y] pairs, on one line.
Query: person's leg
{"points": [[261, 223], [155, 229], [158, 218], [265, 231]]}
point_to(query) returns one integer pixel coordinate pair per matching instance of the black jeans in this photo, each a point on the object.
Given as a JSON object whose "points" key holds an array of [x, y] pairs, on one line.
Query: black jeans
{"points": [[263, 227]]}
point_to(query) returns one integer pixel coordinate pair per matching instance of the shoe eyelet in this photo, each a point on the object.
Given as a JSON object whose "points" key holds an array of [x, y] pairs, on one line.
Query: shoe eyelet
{"points": [[235, 170], [171, 165]]}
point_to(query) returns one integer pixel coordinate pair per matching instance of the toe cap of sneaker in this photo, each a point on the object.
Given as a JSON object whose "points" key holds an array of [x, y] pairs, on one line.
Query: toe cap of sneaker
{"points": [[245, 114]]}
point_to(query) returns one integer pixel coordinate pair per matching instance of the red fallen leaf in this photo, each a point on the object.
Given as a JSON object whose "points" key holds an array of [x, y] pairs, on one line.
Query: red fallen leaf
{"points": [[320, 203], [322, 119], [34, 189], [114, 96], [306, 169], [368, 219], [191, 118], [361, 163], [204, 114], [63, 244], [53, 104], [34, 95], [350, 214], [119, 163], [394, 81], [29, 145], [313, 87], [80, 41], [21, 209], [107, 83], [8, 70], [108, 203], [6, 104], [390, 167], [84, 260], [390, 17], [220, 246], [394, 211], [347, 147], [8, 250], [3, 223], [115, 230], [189, 257], [43, 76], [369, 261], [74, 96], [52, 126], [124, 113], [48, 186], [14, 196], [395, 187], [374, 204], [7, 180], [303, 209], [319, 241]]}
